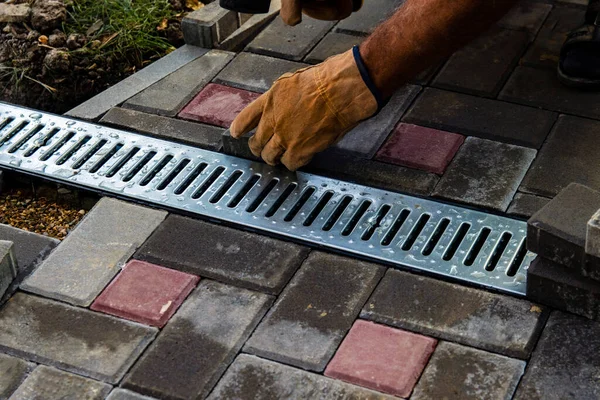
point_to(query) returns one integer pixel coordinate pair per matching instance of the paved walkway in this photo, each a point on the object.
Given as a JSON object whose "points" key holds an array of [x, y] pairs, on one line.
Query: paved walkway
{"points": [[202, 310]]}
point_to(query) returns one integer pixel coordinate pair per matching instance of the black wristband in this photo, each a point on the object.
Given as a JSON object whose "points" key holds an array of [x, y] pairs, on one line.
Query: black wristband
{"points": [[364, 73]]}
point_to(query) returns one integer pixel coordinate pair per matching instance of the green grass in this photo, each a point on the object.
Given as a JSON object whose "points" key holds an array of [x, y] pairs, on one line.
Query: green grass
{"points": [[128, 27]]}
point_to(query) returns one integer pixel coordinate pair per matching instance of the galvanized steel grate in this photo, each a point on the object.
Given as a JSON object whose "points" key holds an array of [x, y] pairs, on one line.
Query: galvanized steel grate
{"points": [[481, 248]]}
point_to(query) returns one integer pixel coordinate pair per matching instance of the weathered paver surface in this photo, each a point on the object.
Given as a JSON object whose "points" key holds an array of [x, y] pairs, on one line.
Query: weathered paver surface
{"points": [[13, 371]]}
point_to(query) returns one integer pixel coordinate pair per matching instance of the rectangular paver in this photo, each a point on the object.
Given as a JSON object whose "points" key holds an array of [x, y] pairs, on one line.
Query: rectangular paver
{"points": [[314, 312], [468, 316], [485, 118], [123, 394], [169, 95], [233, 256], [94, 108], [482, 67], [209, 25], [525, 205], [145, 293], [255, 72], [290, 42], [364, 21], [457, 372], [218, 105], [190, 133], [79, 269], [381, 358], [253, 378], [565, 362], [332, 44], [566, 157], [485, 173], [8, 265], [71, 338], [13, 371], [527, 16], [200, 341], [52, 384]]}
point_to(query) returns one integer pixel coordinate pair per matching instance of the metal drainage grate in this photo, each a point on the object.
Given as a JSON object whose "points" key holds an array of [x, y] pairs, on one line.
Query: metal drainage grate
{"points": [[481, 248]]}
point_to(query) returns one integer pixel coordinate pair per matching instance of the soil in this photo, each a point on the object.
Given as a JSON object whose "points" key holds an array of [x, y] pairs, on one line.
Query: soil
{"points": [[60, 73]]}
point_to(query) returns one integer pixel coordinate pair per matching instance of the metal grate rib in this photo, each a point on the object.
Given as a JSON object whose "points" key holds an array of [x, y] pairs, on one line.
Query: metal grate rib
{"points": [[481, 248]]}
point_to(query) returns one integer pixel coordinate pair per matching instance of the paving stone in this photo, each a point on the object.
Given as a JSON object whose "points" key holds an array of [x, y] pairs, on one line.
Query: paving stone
{"points": [[98, 105], [190, 133], [290, 42], [468, 316], [545, 50], [209, 25], [250, 28], [218, 105], [369, 356], [332, 44], [46, 383], [200, 341], [169, 95], [485, 173], [14, 13], [146, 293], [79, 269], [237, 147], [562, 288], [525, 205], [372, 173], [71, 338], [419, 147], [526, 16], [122, 394], [462, 373], [566, 157], [364, 140], [486, 118], [8, 265], [558, 230], [565, 362], [230, 255], [255, 72], [12, 372], [425, 77], [482, 67], [592, 237], [541, 88], [315, 310], [368, 17], [252, 378]]}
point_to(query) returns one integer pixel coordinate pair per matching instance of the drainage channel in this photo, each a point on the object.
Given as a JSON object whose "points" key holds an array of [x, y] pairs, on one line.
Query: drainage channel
{"points": [[463, 244]]}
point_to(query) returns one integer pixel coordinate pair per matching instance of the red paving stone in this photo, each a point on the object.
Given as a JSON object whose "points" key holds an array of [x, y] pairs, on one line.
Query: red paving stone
{"points": [[378, 357], [218, 105], [145, 293], [419, 147]]}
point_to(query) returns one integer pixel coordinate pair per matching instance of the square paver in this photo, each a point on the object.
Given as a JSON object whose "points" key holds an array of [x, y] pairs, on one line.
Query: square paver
{"points": [[332, 44], [365, 20], [13, 371], [485, 173], [565, 363], [218, 105], [526, 15], [199, 342], [314, 312], [525, 205], [457, 372], [485, 118], [385, 359], [290, 42], [461, 314], [567, 156], [419, 147], [255, 72], [146, 293], [241, 258], [71, 338], [85, 262], [46, 383], [482, 67]]}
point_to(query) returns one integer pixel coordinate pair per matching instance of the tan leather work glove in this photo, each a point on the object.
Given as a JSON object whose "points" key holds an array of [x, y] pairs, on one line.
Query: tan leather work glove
{"points": [[328, 10], [307, 111]]}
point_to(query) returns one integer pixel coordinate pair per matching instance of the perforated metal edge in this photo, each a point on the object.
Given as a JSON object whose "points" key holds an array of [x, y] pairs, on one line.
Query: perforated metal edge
{"points": [[491, 253]]}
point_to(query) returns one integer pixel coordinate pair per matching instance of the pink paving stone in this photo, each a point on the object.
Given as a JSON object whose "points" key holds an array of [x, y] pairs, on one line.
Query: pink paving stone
{"points": [[218, 105], [378, 357], [419, 147], [145, 293]]}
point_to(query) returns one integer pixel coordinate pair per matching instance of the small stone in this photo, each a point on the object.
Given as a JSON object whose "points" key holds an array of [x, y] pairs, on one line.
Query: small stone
{"points": [[12, 372], [457, 372], [14, 13], [57, 40], [76, 41], [47, 15], [369, 357], [57, 60], [52, 384]]}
